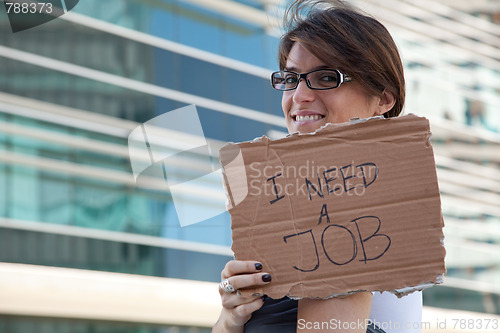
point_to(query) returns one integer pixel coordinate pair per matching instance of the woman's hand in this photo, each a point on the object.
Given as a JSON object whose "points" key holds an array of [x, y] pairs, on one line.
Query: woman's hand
{"points": [[237, 308]]}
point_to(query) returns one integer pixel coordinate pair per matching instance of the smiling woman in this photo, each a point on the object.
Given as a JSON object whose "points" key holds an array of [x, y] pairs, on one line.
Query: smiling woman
{"points": [[308, 109], [347, 40], [335, 64]]}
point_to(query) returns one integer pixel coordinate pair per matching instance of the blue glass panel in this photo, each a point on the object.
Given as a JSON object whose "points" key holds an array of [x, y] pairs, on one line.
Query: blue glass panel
{"points": [[246, 46], [188, 24], [215, 230], [24, 195], [36, 248], [197, 32]]}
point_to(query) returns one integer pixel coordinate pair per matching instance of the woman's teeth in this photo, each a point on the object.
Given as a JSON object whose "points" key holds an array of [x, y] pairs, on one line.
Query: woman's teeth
{"points": [[311, 117]]}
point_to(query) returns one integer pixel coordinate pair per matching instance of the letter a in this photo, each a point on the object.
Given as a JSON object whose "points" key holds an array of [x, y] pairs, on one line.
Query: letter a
{"points": [[324, 212]]}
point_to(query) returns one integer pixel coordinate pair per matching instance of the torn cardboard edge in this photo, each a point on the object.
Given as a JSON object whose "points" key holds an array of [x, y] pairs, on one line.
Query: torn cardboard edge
{"points": [[365, 215], [289, 135], [397, 292]]}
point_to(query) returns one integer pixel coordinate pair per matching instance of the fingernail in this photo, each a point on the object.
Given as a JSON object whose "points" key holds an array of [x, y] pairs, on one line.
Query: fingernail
{"points": [[266, 277], [258, 266]]}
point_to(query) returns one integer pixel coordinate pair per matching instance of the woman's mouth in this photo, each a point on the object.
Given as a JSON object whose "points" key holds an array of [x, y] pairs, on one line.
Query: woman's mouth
{"points": [[312, 117]]}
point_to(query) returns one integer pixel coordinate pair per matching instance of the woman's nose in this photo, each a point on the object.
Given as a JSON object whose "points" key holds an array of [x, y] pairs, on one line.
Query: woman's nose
{"points": [[303, 93]]}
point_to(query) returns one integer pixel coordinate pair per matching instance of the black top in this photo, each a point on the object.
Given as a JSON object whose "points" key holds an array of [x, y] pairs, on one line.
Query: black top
{"points": [[281, 316]]}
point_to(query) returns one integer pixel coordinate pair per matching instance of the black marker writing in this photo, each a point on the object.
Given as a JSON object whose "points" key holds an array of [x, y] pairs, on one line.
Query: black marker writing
{"points": [[275, 189], [318, 190], [354, 246], [368, 219], [315, 249], [335, 231], [324, 213]]}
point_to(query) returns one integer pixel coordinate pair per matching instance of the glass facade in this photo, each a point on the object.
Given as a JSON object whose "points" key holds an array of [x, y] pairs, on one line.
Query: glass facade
{"points": [[73, 89], [40, 325], [191, 25], [60, 173]]}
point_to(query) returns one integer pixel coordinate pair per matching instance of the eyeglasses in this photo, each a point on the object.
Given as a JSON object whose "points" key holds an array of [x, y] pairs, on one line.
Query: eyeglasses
{"points": [[320, 79]]}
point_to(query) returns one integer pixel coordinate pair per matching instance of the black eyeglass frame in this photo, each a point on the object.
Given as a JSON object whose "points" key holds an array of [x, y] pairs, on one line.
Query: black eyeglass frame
{"points": [[341, 78]]}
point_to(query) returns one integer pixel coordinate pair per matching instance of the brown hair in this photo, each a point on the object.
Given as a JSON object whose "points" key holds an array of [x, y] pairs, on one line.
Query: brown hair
{"points": [[356, 44]]}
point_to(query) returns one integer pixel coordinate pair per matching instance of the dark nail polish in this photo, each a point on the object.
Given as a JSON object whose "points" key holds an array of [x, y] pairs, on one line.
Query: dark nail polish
{"points": [[258, 266], [266, 277]]}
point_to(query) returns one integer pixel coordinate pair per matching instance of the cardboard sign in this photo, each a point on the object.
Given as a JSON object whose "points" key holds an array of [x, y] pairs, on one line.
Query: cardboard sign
{"points": [[353, 207]]}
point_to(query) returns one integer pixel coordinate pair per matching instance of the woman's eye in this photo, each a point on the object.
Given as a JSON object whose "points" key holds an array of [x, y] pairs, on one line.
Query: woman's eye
{"points": [[290, 79], [328, 78]]}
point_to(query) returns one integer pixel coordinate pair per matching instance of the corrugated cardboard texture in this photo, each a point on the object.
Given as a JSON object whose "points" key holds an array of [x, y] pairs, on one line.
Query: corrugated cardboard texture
{"points": [[353, 207]]}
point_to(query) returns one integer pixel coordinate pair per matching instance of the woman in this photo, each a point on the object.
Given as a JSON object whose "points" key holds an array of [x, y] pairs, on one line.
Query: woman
{"points": [[336, 64]]}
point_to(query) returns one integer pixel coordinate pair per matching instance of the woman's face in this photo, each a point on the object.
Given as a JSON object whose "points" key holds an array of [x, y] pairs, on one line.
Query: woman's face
{"points": [[306, 109]]}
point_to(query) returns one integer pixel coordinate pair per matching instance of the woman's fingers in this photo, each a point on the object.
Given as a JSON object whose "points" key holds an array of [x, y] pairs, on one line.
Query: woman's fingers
{"points": [[232, 320], [237, 267], [237, 307], [234, 300], [247, 280], [242, 313], [239, 274]]}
